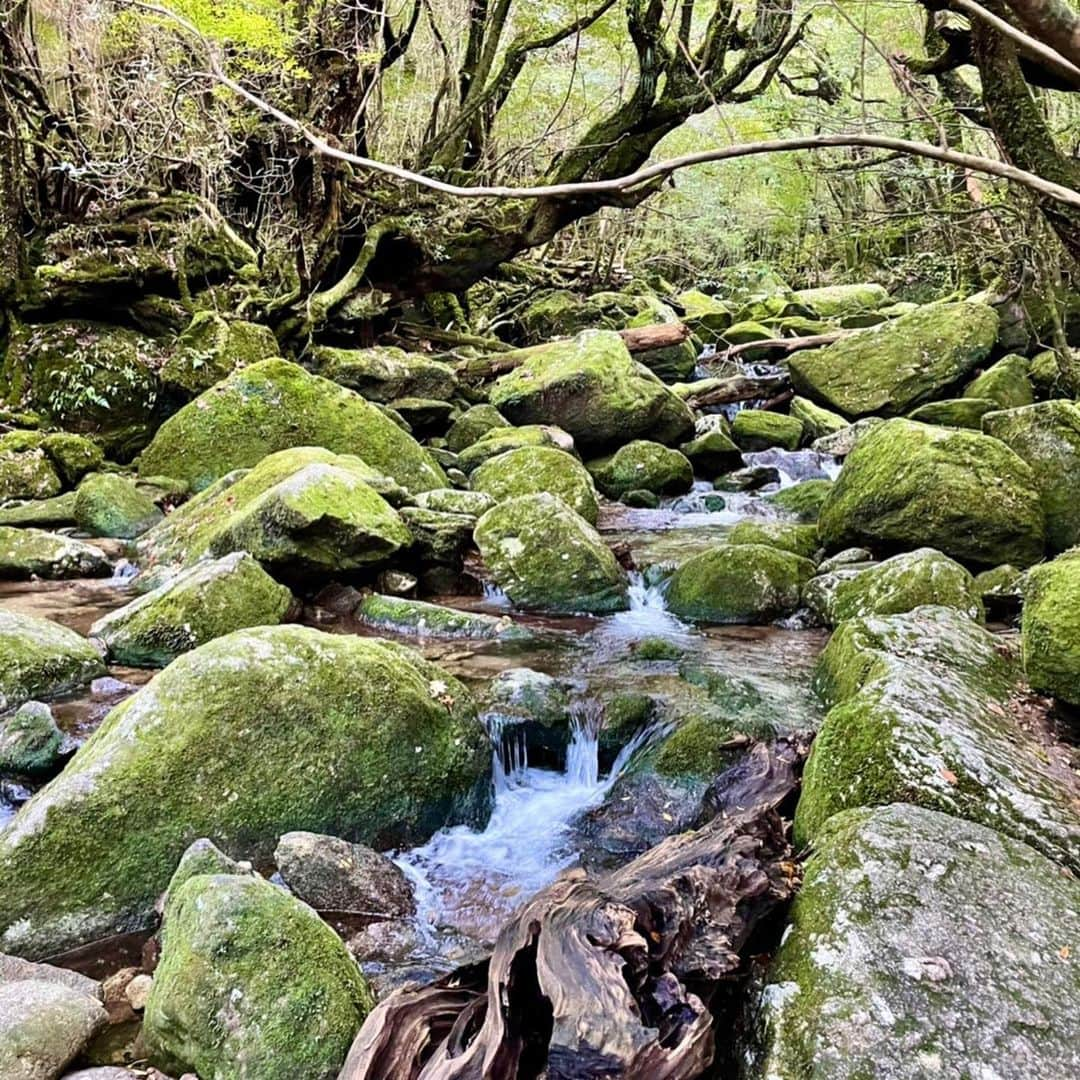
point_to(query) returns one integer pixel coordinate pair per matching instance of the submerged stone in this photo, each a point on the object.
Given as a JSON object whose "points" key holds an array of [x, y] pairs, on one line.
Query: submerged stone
{"points": [[643, 466], [531, 470], [26, 553], [922, 945], [253, 735], [110, 505]]}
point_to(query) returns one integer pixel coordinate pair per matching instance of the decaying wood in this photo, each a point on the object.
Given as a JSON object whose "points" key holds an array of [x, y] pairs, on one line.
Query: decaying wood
{"points": [[739, 388], [612, 976], [781, 345], [638, 339]]}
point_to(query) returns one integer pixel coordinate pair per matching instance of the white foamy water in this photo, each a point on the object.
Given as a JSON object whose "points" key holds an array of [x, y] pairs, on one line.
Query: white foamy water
{"points": [[470, 880]]}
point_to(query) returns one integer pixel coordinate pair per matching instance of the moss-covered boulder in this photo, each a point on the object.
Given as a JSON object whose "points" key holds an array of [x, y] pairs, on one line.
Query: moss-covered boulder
{"points": [[385, 373], [533, 469], [107, 504], [738, 583], [833, 301], [803, 500], [30, 741], [712, 452], [546, 557], [26, 553], [59, 510], [274, 405], [902, 583], [707, 316], [88, 377], [815, 420], [908, 485], [892, 367], [1047, 437], [785, 536], [921, 713], [452, 501], [562, 313], [755, 429], [26, 471], [305, 507], [415, 617], [251, 983], [253, 735], [206, 601], [438, 536], [1050, 627], [920, 945], [670, 363], [501, 440], [41, 659], [210, 349], [643, 466], [73, 455], [472, 424], [1005, 382], [964, 412], [592, 388]]}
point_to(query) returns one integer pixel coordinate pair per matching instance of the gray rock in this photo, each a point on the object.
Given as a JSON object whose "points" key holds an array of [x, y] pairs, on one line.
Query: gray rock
{"points": [[26, 553], [30, 741], [924, 946], [15, 969]]}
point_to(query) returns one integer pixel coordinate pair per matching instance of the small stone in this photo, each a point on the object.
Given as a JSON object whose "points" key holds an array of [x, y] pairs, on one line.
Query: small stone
{"points": [[138, 990]]}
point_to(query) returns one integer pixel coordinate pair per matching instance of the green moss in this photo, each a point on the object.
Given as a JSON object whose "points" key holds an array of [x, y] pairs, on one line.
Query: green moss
{"points": [[207, 601], [815, 420], [1050, 627], [381, 747], [712, 453], [274, 405], [211, 348], [110, 505], [831, 301], [700, 747], [753, 429], [26, 471], [548, 558], [534, 469], [1005, 382], [437, 536], [59, 510], [251, 982], [738, 583], [910, 485], [706, 316], [472, 425], [798, 539], [72, 455], [803, 500], [965, 412], [435, 620], [385, 373], [30, 741], [642, 466], [657, 648], [26, 553]]}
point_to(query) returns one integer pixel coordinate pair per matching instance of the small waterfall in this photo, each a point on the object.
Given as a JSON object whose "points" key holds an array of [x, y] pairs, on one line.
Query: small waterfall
{"points": [[494, 596], [583, 752]]}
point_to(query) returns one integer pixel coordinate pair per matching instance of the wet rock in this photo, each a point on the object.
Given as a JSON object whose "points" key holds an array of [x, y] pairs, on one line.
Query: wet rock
{"points": [[922, 945], [847, 558], [26, 553], [755, 429], [44, 1025], [546, 557], [738, 583], [210, 349], [1005, 382], [331, 874], [41, 659], [438, 537], [891, 368], [30, 741], [909, 485], [25, 469], [964, 412], [138, 990], [832, 301], [649, 500], [201, 857], [502, 440], [657, 648], [751, 478], [1047, 437], [592, 388], [902, 583], [59, 510], [206, 601], [1050, 627], [110, 505], [532, 703], [798, 539], [274, 405], [472, 425], [804, 500], [531, 470], [841, 443], [643, 466], [436, 620], [451, 501], [304, 506], [712, 452], [1002, 589], [381, 746], [816, 421], [251, 982], [921, 713]]}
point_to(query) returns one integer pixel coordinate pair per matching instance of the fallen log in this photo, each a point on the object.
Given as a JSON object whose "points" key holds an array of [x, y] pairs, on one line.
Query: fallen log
{"points": [[739, 388], [608, 977], [638, 339]]}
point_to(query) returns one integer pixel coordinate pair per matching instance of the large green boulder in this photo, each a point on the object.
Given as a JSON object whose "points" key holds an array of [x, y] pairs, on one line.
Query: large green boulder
{"points": [[500, 440], [738, 583], [472, 424], [87, 377], [385, 373], [211, 348], [41, 659], [251, 983], [274, 405], [803, 500], [815, 420], [546, 557], [206, 601], [756, 429], [58, 510], [921, 712], [592, 388], [891, 368], [110, 505], [532, 469], [707, 316], [964, 412], [643, 466], [783, 535], [1047, 437], [833, 301], [253, 735], [26, 553], [908, 485], [923, 946], [1005, 382], [904, 582], [1050, 627], [712, 452], [305, 507]]}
